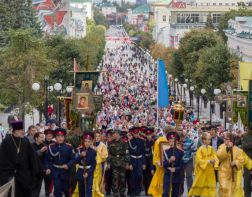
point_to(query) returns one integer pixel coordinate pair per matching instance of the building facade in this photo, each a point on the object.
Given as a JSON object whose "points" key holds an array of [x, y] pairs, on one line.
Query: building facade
{"points": [[239, 34], [174, 19], [63, 17], [139, 16], [108, 10]]}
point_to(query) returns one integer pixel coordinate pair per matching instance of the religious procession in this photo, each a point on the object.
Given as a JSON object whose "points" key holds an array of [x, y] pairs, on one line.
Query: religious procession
{"points": [[133, 149]]}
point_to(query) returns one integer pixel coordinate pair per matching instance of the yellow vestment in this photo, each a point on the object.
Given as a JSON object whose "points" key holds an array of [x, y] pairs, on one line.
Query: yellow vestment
{"points": [[229, 188], [205, 181], [156, 185], [102, 154], [247, 164]]}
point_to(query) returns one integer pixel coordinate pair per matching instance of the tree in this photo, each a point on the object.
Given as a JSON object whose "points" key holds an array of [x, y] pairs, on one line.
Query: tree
{"points": [[16, 14], [177, 66], [165, 53], [87, 51], [99, 18], [22, 63], [213, 67], [209, 22], [190, 48], [146, 39]]}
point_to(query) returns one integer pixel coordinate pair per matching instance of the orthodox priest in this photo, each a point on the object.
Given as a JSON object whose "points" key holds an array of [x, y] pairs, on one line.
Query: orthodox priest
{"points": [[19, 160]]}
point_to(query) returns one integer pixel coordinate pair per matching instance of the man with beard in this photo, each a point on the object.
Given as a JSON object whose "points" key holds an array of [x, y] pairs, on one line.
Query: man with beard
{"points": [[19, 160]]}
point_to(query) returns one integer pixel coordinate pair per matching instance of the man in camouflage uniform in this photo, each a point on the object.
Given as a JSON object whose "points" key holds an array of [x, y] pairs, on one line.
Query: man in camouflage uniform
{"points": [[118, 161]]}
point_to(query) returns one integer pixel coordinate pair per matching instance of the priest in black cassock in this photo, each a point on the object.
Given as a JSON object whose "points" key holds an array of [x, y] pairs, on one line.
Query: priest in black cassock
{"points": [[19, 160]]}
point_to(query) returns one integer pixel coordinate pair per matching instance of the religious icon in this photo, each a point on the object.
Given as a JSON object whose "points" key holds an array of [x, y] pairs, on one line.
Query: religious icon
{"points": [[86, 86], [241, 101], [82, 101], [162, 147]]}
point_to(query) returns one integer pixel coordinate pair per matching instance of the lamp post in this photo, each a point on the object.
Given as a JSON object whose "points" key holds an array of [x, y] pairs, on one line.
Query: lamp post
{"points": [[191, 95], [36, 87], [185, 86], [46, 81], [202, 91], [216, 92], [176, 88], [58, 88]]}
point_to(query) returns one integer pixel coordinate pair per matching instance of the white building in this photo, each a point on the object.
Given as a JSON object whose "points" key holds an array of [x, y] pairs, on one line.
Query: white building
{"points": [[78, 25], [174, 19], [107, 10], [83, 4], [239, 35]]}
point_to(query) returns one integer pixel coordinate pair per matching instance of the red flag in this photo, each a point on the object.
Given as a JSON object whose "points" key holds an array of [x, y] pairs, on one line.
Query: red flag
{"points": [[75, 66]]}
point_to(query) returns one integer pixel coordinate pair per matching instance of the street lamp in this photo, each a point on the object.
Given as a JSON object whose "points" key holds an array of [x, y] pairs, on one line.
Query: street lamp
{"points": [[184, 86], [50, 88], [216, 92], [202, 91], [35, 87], [69, 89], [58, 87], [191, 95]]}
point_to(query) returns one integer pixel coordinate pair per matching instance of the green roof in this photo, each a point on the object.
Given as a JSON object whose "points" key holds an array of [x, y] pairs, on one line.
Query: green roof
{"points": [[141, 9]]}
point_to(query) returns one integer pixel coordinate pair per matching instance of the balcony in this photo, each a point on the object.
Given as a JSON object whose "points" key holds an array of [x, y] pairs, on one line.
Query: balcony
{"points": [[188, 25]]}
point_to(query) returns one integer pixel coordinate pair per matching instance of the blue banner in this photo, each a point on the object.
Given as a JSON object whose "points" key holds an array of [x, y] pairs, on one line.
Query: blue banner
{"points": [[163, 91]]}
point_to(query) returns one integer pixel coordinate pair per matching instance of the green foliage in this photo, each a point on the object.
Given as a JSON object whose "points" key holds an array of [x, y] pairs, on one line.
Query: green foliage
{"points": [[24, 61], [162, 52], [16, 14], [203, 57], [87, 51], [190, 46], [213, 66], [223, 24], [145, 37], [99, 18]]}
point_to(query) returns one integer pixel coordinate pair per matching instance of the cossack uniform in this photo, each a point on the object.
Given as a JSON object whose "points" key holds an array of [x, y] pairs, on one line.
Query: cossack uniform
{"points": [[172, 180], [137, 161], [48, 178], [86, 165], [57, 156], [147, 174]]}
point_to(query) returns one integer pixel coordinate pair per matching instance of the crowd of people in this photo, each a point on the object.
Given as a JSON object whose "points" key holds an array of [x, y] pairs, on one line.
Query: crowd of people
{"points": [[128, 86], [127, 154], [119, 163]]}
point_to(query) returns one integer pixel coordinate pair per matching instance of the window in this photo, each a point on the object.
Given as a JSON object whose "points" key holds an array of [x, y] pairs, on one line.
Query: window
{"points": [[164, 18], [194, 18], [227, 4], [220, 3], [214, 3], [216, 18], [188, 18], [233, 4]]}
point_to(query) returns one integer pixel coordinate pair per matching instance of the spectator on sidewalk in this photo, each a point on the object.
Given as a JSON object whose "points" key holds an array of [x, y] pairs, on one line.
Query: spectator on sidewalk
{"points": [[30, 133]]}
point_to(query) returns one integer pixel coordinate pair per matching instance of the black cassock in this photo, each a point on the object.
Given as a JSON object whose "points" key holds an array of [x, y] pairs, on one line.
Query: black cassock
{"points": [[21, 163]]}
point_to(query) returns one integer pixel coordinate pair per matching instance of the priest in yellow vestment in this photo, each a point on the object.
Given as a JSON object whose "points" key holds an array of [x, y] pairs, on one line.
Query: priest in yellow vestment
{"points": [[102, 154], [231, 163], [247, 164], [156, 185], [206, 162]]}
